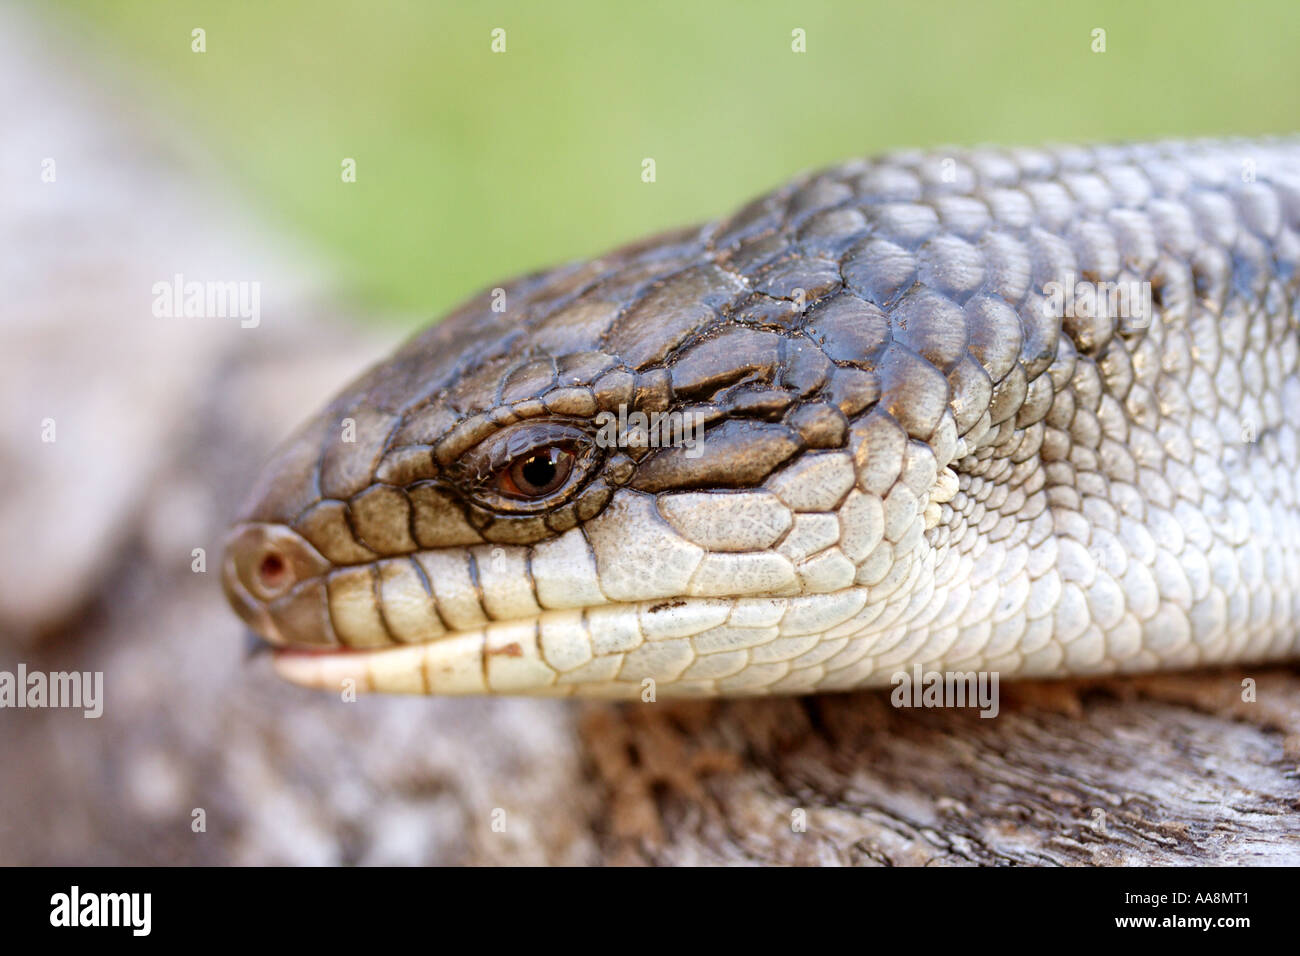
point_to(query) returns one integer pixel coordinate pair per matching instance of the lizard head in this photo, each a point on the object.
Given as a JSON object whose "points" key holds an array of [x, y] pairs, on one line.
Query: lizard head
{"points": [[717, 463]]}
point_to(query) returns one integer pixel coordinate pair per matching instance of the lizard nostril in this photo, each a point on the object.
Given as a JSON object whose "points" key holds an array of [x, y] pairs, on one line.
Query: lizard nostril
{"points": [[267, 572], [273, 571]]}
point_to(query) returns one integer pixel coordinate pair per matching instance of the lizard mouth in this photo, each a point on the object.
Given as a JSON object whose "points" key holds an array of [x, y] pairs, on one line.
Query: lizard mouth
{"points": [[384, 627], [424, 623], [680, 647], [453, 664]]}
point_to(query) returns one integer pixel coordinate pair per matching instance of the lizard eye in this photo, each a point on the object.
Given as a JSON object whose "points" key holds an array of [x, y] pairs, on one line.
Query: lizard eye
{"points": [[536, 474], [530, 467]]}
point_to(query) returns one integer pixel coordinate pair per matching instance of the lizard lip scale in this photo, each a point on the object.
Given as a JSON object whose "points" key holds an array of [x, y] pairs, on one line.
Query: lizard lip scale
{"points": [[1020, 411]]}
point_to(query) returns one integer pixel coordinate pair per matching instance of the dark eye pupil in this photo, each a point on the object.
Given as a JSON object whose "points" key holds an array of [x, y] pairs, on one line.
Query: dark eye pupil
{"points": [[539, 470]]}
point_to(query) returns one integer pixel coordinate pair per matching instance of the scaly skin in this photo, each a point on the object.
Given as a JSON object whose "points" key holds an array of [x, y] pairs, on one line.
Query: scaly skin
{"points": [[912, 456]]}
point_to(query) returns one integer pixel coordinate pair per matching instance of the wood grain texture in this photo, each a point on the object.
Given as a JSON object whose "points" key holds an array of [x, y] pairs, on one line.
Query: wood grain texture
{"points": [[1153, 770]]}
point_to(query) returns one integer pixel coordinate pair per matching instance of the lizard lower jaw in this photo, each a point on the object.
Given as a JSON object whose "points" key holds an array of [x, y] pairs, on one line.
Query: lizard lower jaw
{"points": [[682, 647], [454, 664]]}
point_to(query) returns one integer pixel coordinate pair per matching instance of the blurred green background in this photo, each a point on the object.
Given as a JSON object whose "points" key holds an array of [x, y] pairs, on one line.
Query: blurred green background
{"points": [[473, 166]]}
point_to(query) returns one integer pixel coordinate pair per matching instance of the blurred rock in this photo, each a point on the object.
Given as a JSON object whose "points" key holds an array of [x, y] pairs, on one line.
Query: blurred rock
{"points": [[99, 207]]}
